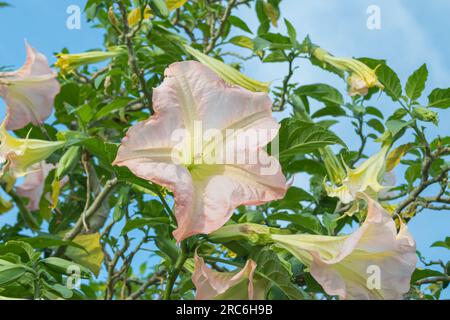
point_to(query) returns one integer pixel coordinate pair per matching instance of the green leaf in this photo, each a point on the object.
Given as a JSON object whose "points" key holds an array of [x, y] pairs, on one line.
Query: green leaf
{"points": [[304, 221], [376, 124], [64, 266], [419, 274], [91, 253], [439, 98], [11, 273], [416, 83], [375, 112], [242, 41], [159, 7], [334, 111], [239, 23], [298, 137], [443, 244], [44, 241], [291, 31], [321, 92], [139, 223], [395, 126], [270, 268], [292, 199], [390, 81], [117, 104], [20, 248]]}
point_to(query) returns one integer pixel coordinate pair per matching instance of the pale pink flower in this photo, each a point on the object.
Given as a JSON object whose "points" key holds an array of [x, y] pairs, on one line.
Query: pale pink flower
{"points": [[374, 262], [211, 284], [33, 185], [205, 194], [29, 92]]}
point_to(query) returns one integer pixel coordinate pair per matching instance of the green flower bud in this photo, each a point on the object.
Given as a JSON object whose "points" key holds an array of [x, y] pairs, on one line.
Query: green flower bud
{"points": [[255, 233], [67, 162], [425, 114]]}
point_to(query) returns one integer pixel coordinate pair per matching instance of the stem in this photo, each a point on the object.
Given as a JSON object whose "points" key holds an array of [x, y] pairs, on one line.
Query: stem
{"points": [[26, 215], [37, 289], [133, 61], [166, 205], [219, 32], [176, 270], [109, 186], [287, 78]]}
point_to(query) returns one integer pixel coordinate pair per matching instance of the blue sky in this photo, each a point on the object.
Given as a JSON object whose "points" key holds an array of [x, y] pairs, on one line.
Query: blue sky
{"points": [[412, 32]]}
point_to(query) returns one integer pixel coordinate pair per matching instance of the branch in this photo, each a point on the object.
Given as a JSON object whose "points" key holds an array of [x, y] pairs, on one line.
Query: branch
{"points": [[109, 186], [155, 279], [133, 62], [421, 187], [219, 31]]}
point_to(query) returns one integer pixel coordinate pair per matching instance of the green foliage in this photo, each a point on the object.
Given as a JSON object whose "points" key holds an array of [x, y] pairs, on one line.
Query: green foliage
{"points": [[106, 218]]}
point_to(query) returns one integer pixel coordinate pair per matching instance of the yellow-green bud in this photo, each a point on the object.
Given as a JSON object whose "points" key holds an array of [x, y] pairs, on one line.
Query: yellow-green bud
{"points": [[425, 114], [254, 233]]}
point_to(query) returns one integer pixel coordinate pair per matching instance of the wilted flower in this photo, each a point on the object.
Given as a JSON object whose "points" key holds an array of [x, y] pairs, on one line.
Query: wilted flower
{"points": [[362, 179], [374, 262], [68, 63], [238, 285], [206, 194], [361, 78], [19, 155], [29, 92], [227, 73]]}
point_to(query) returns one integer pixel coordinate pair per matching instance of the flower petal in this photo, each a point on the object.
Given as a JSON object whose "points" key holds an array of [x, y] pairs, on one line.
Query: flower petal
{"points": [[375, 245], [200, 95], [205, 194], [219, 190], [374, 262], [210, 284], [29, 92], [33, 186]]}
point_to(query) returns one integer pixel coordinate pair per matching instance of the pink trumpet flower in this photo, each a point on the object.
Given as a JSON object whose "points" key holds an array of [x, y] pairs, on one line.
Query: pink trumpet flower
{"points": [[374, 262], [238, 285], [33, 186], [29, 92], [199, 121]]}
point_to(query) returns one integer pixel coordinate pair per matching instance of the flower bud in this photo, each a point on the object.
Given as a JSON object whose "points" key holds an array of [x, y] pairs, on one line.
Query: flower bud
{"points": [[255, 233], [425, 114], [227, 73]]}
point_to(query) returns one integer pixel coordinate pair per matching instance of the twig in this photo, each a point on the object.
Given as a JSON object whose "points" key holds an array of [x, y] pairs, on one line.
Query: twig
{"points": [[155, 279], [219, 31], [109, 186], [133, 62]]}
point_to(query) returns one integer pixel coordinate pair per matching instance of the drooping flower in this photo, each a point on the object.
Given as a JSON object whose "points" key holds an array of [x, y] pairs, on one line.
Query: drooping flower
{"points": [[29, 92], [374, 262], [68, 63], [238, 285], [205, 192], [19, 155], [33, 186], [365, 178], [228, 73], [361, 78]]}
